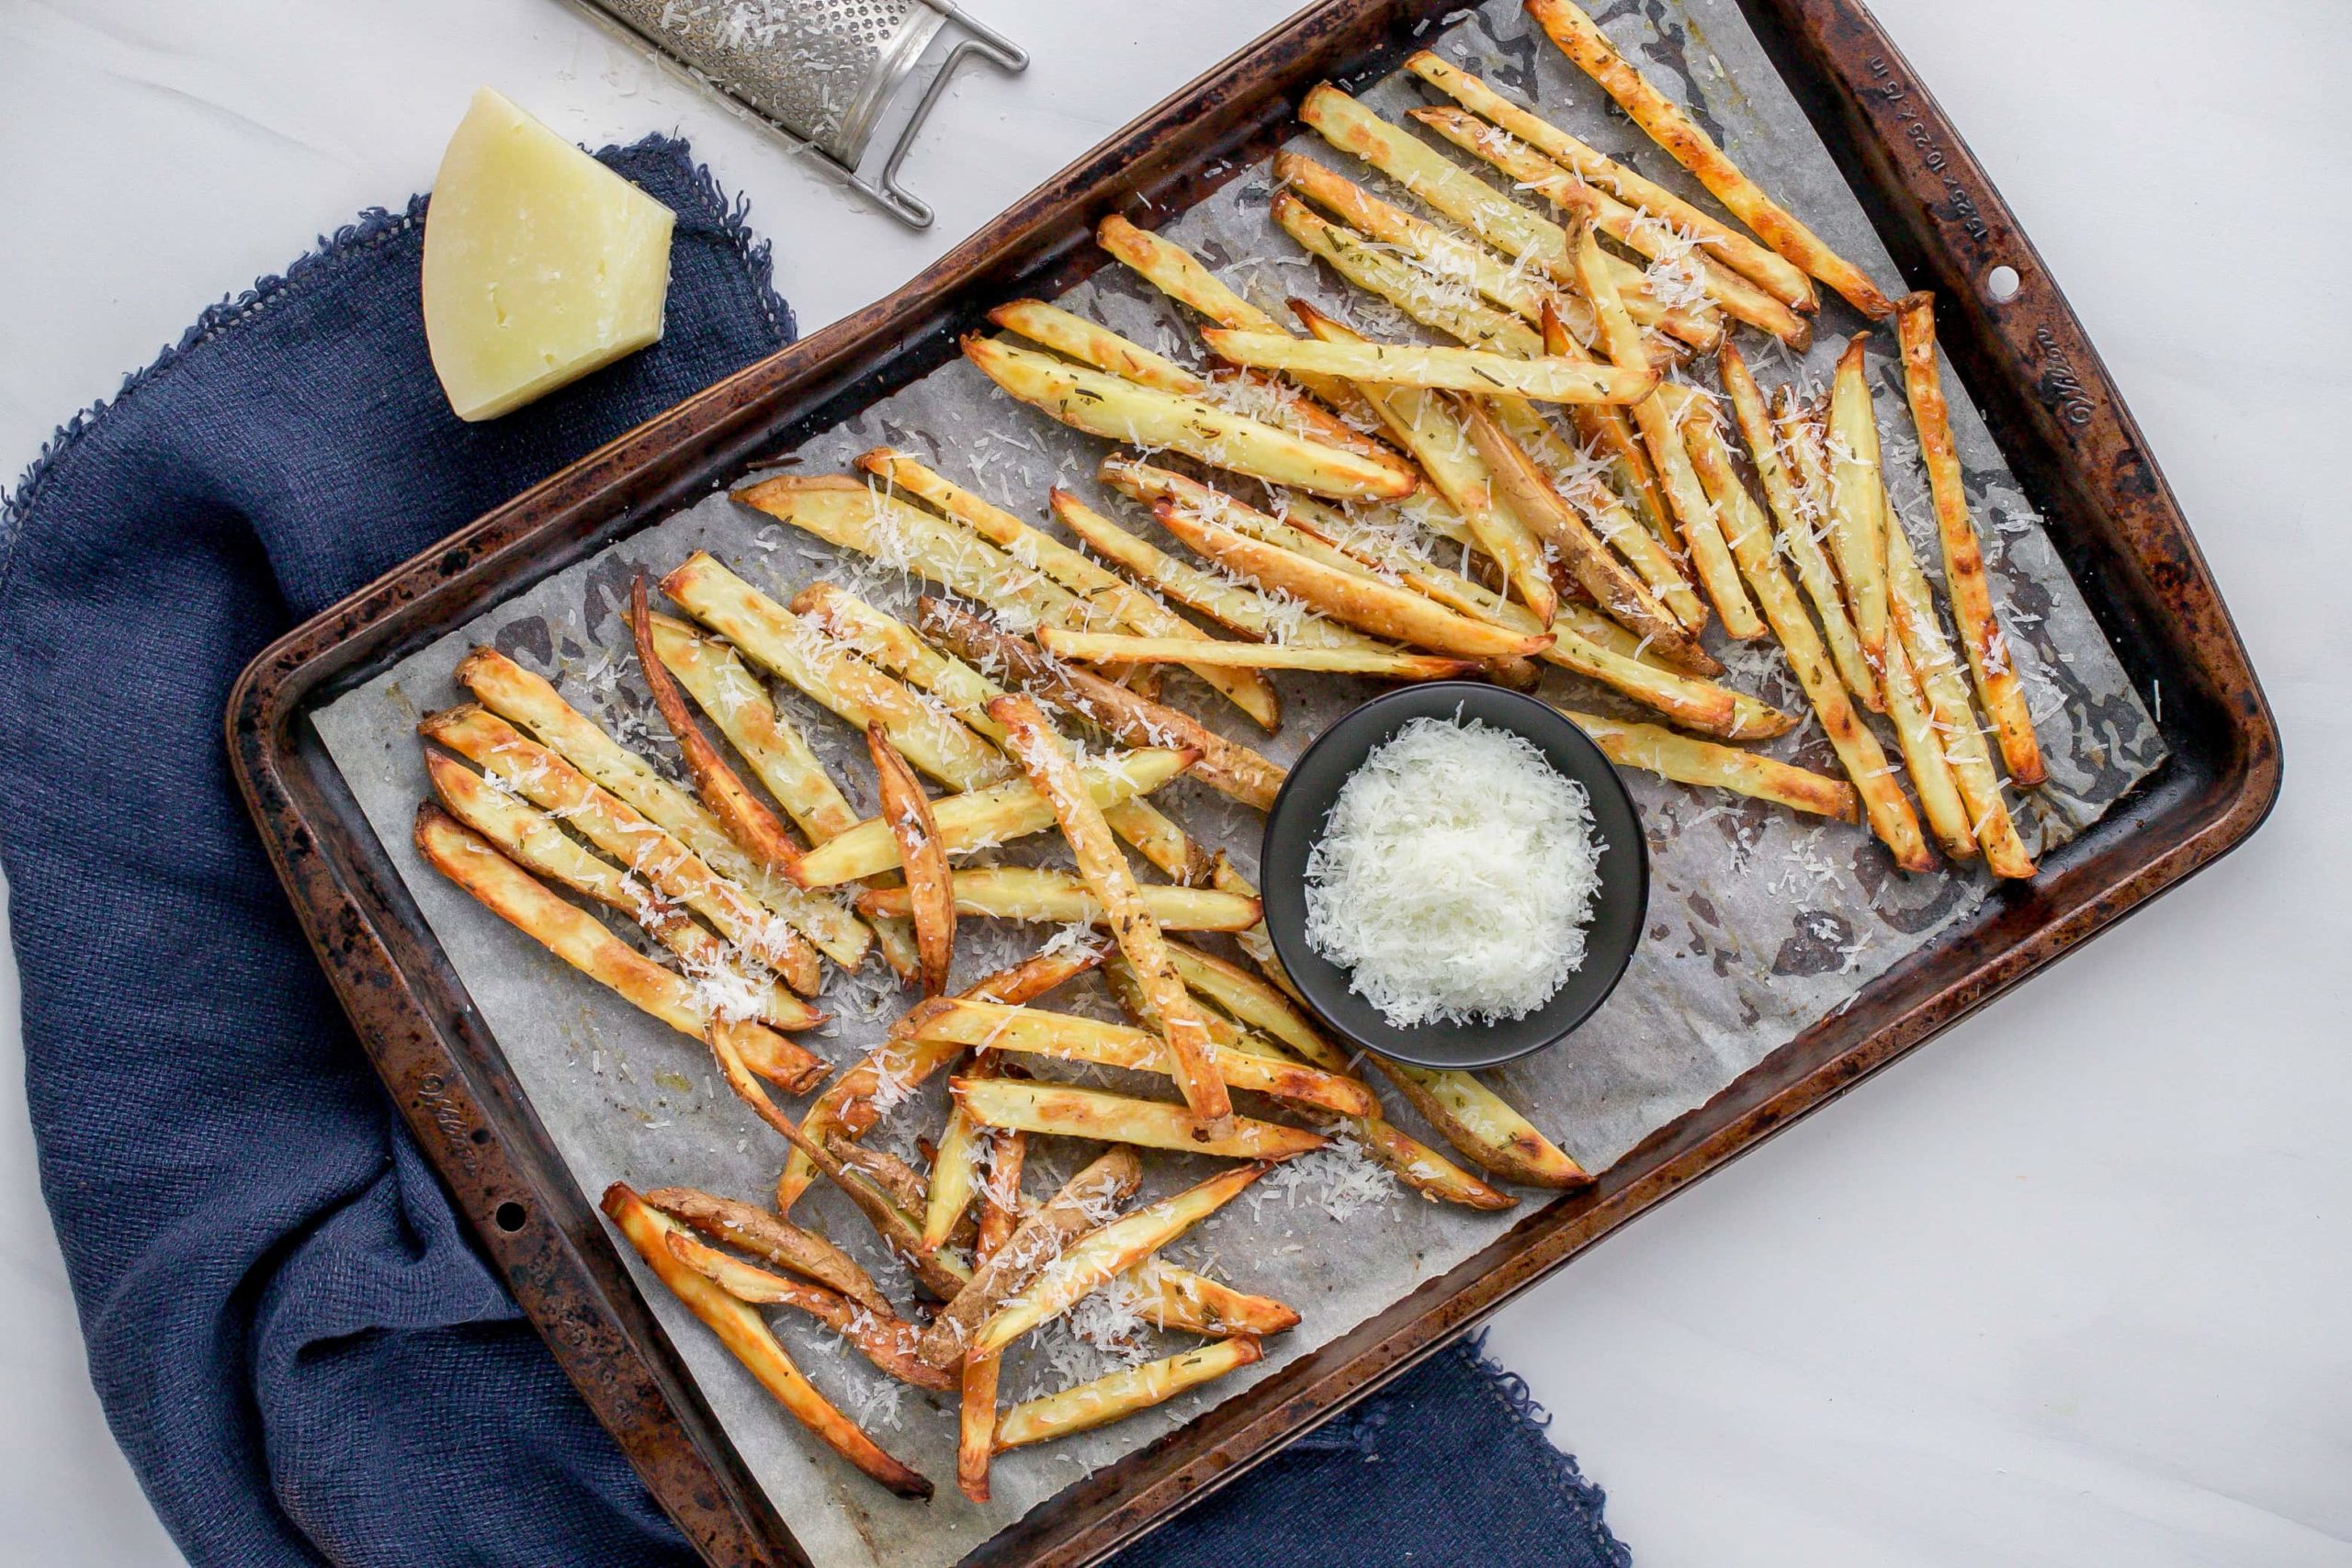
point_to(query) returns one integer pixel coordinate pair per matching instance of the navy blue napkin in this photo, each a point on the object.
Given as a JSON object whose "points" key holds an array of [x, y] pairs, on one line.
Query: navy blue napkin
{"points": [[295, 1340]]}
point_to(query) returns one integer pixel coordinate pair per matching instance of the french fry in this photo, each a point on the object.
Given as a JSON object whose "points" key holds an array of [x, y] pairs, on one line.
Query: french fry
{"points": [[1444, 255], [1704, 763], [1042, 894], [1643, 537], [1185, 1303], [1529, 170], [1100, 1256], [898, 1181], [852, 1102], [1981, 635], [981, 817], [1923, 755], [1510, 226], [931, 900], [1427, 426], [1857, 504], [1363, 602], [533, 841], [750, 1228], [513, 693], [954, 1178], [1483, 1126], [1582, 41], [1912, 606], [1070, 1038], [1083, 1203], [1105, 405], [536, 774], [1245, 610], [1260, 397], [1104, 648], [1118, 1395], [1224, 765], [580, 939], [738, 702], [773, 637], [1797, 521], [1475, 370], [1125, 909], [739, 1329], [1770, 271], [1884, 805], [885, 1339], [1530, 493], [757, 832], [1100, 594], [1690, 701], [1060, 1110], [1701, 535]]}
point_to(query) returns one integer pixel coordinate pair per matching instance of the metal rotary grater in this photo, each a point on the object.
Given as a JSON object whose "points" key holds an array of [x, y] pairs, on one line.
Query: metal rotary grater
{"points": [[821, 74]]}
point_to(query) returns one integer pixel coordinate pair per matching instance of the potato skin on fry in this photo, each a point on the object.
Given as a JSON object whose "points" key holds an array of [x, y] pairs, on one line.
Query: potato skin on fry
{"points": [[908, 810], [1121, 1394]]}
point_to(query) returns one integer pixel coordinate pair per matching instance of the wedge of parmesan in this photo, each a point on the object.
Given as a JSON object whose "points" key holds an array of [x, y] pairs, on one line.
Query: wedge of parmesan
{"points": [[540, 263]]}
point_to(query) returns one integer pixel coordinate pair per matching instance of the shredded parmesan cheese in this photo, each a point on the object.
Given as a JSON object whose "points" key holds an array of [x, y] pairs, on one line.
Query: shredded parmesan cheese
{"points": [[1454, 876]]}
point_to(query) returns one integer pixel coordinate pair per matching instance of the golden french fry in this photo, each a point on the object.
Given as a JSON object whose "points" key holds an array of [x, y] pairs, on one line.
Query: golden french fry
{"points": [[1964, 582], [1179, 1300], [1102, 1255], [1691, 703], [1046, 759], [1483, 1126], [1472, 370], [1582, 41], [1922, 746], [1690, 762], [516, 694], [885, 1339], [1062, 1111], [1084, 1201], [1101, 647], [533, 841], [1770, 271], [1245, 610], [1529, 170], [773, 637], [1070, 1038], [930, 896], [1444, 255], [1426, 425], [1099, 594], [757, 832], [580, 939], [750, 1228], [1530, 493], [1884, 804], [1225, 765], [1116, 1395], [739, 1328], [954, 1178], [1857, 502], [978, 818], [1105, 405], [1510, 226], [1796, 512], [1701, 535], [1042, 894], [1912, 607], [898, 1179]]}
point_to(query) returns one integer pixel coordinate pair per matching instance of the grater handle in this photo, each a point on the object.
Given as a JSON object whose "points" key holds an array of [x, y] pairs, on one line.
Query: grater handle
{"points": [[983, 41]]}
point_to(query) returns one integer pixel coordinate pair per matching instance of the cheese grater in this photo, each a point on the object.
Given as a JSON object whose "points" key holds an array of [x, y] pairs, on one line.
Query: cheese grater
{"points": [[821, 73]]}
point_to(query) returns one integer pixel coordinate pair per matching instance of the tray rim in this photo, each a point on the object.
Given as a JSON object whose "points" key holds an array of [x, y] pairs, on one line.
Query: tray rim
{"points": [[654, 1412]]}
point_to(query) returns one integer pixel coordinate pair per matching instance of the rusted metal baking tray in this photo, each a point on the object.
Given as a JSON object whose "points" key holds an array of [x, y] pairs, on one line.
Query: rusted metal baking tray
{"points": [[2040, 383]]}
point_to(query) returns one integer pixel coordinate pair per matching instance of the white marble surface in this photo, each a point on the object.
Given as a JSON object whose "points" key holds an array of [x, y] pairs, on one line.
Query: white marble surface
{"points": [[2069, 1287]]}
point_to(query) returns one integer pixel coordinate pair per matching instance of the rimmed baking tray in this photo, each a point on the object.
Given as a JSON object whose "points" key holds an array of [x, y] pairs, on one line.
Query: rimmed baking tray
{"points": [[2024, 357]]}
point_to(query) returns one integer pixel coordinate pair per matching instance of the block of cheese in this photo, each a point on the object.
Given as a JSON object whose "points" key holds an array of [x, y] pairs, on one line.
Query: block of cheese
{"points": [[540, 263]]}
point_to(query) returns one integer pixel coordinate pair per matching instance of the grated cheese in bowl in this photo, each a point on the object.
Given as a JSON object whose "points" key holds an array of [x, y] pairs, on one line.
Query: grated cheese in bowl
{"points": [[1454, 876]]}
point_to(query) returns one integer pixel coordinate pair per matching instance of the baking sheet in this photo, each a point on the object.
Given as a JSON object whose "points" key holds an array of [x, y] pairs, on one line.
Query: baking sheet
{"points": [[1762, 923]]}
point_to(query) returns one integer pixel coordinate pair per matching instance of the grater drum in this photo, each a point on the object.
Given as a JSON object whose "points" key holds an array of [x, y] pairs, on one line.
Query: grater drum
{"points": [[821, 73]]}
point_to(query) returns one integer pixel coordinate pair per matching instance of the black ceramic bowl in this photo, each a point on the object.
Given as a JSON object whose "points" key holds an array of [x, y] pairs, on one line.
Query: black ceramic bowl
{"points": [[1297, 822]]}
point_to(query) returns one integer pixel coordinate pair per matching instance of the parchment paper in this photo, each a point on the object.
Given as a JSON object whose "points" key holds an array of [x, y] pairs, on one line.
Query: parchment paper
{"points": [[1761, 921]]}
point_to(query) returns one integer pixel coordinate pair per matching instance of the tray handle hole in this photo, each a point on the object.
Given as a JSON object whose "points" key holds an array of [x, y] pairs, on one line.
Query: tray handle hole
{"points": [[2003, 284], [511, 1217]]}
